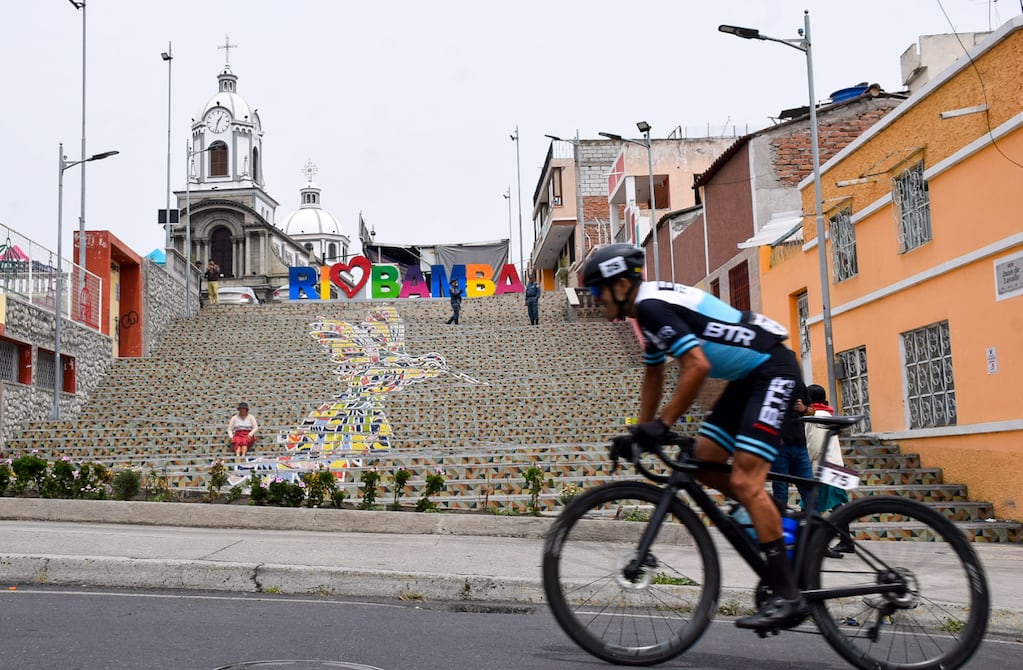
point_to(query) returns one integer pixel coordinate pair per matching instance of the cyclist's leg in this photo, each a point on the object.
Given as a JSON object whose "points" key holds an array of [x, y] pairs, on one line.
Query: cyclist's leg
{"points": [[782, 465], [765, 413], [715, 440]]}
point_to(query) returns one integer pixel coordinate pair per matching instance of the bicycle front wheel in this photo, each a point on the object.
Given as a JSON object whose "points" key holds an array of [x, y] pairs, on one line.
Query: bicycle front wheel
{"points": [[651, 616], [935, 615]]}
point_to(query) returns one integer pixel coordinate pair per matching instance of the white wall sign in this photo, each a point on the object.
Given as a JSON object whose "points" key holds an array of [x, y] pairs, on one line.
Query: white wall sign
{"points": [[1009, 276], [992, 360]]}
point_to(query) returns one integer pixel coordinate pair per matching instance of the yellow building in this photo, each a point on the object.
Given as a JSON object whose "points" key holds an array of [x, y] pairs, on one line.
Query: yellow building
{"points": [[925, 261]]}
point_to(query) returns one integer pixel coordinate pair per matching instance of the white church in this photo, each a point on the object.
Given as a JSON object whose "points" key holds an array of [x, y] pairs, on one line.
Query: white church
{"points": [[231, 215]]}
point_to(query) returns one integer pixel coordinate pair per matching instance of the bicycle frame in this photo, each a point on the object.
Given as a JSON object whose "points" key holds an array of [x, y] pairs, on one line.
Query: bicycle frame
{"points": [[683, 478]]}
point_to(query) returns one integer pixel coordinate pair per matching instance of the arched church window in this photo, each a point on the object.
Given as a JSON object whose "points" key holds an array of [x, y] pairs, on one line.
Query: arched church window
{"points": [[218, 160], [220, 250], [332, 251], [255, 165]]}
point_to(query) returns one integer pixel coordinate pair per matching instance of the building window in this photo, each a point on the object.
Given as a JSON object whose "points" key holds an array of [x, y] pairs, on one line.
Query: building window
{"points": [[803, 315], [715, 287], [255, 165], [930, 388], [852, 384], [738, 286], [218, 160], [913, 208], [332, 251], [843, 245], [556, 187], [10, 359]]}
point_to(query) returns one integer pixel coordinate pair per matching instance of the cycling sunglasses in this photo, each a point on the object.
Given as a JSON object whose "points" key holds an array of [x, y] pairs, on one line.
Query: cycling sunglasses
{"points": [[595, 291]]}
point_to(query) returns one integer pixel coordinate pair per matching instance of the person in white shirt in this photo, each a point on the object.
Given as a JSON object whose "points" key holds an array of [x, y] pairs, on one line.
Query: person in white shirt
{"points": [[241, 429]]}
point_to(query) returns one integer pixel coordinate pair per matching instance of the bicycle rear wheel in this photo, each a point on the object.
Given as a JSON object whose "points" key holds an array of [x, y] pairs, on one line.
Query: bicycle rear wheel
{"points": [[650, 618], [937, 621]]}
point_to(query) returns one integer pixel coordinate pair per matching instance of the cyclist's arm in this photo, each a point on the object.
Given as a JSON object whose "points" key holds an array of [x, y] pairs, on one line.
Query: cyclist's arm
{"points": [[650, 393], [693, 369]]}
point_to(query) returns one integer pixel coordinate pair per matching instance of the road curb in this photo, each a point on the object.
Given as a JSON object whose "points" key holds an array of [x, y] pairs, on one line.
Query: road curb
{"points": [[211, 515]]}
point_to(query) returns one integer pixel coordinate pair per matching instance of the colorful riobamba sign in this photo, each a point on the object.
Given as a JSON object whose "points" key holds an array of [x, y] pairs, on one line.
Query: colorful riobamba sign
{"points": [[383, 281]]}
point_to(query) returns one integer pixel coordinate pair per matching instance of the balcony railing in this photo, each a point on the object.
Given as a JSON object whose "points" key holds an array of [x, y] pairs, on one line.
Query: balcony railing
{"points": [[28, 271]]}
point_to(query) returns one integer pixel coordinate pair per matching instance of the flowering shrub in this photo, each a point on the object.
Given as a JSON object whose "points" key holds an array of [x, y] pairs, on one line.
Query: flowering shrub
{"points": [[126, 483], [157, 488], [370, 479], [218, 480], [434, 485], [258, 490], [5, 475], [569, 492], [28, 469], [320, 487], [401, 477], [68, 480], [289, 494], [534, 480]]}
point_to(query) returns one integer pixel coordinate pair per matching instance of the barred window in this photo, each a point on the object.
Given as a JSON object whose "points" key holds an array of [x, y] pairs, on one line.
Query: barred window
{"points": [[8, 361], [738, 286], [930, 387], [44, 369], [843, 245], [803, 314], [853, 388], [913, 208]]}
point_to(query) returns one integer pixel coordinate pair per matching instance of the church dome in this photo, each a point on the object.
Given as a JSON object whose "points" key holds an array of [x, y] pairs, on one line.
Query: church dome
{"points": [[310, 220], [227, 98]]}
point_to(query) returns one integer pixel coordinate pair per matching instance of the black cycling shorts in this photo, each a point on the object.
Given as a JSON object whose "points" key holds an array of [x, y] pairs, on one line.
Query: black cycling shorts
{"points": [[751, 413]]}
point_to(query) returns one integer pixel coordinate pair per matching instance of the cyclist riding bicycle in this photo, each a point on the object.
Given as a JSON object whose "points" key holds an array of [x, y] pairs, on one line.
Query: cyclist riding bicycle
{"points": [[710, 338]]}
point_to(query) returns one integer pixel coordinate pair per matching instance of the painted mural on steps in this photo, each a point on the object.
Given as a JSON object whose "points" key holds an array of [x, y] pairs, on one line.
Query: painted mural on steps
{"points": [[371, 363]]}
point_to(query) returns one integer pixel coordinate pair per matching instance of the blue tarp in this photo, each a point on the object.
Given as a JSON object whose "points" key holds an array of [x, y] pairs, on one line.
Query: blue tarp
{"points": [[158, 255]]}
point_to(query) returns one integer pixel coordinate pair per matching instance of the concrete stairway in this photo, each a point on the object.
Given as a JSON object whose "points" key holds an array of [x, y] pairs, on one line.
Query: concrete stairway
{"points": [[512, 396]]}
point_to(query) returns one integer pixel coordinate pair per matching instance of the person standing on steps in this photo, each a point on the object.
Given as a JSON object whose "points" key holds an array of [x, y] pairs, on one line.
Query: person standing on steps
{"points": [[213, 282], [241, 429], [456, 302], [533, 302], [792, 458], [828, 497]]}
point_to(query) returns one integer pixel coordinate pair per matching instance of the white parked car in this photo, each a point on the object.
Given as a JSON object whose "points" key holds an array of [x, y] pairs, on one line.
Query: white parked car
{"points": [[237, 295]]}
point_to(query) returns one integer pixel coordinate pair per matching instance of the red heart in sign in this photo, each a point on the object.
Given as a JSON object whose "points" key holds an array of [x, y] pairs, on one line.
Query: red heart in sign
{"points": [[360, 262]]}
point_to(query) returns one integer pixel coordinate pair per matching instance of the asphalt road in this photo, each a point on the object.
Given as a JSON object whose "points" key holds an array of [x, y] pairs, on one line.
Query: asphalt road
{"points": [[43, 628]]}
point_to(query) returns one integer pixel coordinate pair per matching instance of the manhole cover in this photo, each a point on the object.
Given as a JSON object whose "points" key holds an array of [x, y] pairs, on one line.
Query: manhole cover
{"points": [[296, 665]]}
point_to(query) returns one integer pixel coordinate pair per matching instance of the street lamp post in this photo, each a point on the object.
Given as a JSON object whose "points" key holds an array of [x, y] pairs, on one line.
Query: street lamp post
{"points": [[507, 196], [80, 4], [189, 153], [58, 312], [518, 171], [168, 56], [804, 44], [644, 128]]}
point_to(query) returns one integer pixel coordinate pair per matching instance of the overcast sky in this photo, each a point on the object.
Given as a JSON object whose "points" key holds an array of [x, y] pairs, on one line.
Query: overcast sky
{"points": [[406, 106]]}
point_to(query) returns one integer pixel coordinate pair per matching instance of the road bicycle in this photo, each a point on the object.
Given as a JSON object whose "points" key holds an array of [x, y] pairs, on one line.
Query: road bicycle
{"points": [[632, 575]]}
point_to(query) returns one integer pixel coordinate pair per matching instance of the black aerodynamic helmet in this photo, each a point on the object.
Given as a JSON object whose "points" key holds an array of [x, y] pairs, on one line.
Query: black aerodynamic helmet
{"points": [[612, 261]]}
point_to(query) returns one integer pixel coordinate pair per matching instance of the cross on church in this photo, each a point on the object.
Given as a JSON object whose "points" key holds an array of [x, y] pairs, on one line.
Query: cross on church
{"points": [[227, 46], [309, 170]]}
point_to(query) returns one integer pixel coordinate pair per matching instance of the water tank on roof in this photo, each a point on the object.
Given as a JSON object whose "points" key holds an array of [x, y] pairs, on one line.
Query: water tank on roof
{"points": [[844, 94]]}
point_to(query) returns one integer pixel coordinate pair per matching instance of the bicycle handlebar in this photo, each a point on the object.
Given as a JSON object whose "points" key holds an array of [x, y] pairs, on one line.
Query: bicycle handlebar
{"points": [[685, 462]]}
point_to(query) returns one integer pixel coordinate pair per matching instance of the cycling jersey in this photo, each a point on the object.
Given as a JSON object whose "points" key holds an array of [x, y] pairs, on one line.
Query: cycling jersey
{"points": [[674, 318]]}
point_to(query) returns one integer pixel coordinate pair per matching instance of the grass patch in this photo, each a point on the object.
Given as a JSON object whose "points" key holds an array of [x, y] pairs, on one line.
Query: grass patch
{"points": [[661, 578]]}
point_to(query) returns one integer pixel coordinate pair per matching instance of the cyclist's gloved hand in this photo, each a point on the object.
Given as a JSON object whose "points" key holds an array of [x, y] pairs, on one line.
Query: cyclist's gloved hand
{"points": [[649, 434], [621, 448]]}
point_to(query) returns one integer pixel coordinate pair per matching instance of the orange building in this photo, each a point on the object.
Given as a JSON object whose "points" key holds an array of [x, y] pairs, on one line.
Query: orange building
{"points": [[925, 254], [120, 272]]}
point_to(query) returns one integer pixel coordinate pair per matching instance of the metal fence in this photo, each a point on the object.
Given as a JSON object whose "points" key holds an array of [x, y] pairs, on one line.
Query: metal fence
{"points": [[28, 271]]}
